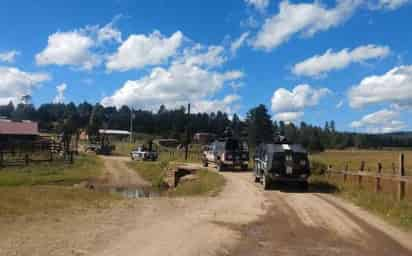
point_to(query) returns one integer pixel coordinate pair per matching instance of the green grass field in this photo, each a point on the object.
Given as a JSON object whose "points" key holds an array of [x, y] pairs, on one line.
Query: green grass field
{"points": [[56, 172], [43, 188], [339, 159]]}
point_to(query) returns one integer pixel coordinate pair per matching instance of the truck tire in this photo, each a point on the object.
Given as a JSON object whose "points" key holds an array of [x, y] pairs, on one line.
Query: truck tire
{"points": [[220, 167], [257, 179], [304, 186], [266, 182]]}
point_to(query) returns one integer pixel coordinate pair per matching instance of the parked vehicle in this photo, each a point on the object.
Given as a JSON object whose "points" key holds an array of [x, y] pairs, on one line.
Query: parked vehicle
{"points": [[100, 145], [144, 154], [281, 161], [226, 153]]}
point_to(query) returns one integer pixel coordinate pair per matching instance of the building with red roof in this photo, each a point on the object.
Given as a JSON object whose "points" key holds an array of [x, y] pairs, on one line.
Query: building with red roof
{"points": [[18, 131]]}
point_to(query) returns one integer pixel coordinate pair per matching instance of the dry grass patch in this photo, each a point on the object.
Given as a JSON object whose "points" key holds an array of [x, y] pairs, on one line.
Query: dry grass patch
{"points": [[339, 159], [30, 200]]}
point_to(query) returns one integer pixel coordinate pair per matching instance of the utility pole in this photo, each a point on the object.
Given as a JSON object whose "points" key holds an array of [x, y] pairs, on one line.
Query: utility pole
{"points": [[131, 125], [187, 132]]}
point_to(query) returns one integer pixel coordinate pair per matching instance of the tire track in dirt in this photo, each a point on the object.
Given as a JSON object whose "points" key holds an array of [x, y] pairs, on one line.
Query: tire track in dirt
{"points": [[118, 174], [313, 224]]}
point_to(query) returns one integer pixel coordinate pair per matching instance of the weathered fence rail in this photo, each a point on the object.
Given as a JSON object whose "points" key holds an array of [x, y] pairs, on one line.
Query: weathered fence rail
{"points": [[397, 183], [178, 155], [24, 154]]}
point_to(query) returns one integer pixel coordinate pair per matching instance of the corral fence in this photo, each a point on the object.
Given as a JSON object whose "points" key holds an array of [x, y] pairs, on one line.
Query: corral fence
{"points": [[31, 152], [394, 182], [180, 155]]}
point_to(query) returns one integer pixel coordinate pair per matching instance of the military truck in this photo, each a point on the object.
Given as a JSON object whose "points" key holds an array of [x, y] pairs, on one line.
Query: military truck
{"points": [[281, 161], [226, 153]]}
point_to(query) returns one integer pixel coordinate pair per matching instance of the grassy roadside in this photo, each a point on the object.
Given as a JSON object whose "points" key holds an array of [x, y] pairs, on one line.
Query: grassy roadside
{"points": [[84, 167], [47, 187], [385, 206], [207, 183], [353, 158], [45, 200]]}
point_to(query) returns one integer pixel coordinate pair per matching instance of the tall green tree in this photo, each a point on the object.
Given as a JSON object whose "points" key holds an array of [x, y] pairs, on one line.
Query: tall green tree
{"points": [[259, 125]]}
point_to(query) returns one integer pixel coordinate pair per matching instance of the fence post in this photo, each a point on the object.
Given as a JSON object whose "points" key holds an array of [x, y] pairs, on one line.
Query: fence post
{"points": [[26, 159], [329, 171], [401, 185], [378, 186], [362, 169], [71, 157], [345, 174]]}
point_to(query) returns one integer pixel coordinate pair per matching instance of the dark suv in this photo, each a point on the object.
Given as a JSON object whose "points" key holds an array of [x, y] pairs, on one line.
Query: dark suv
{"points": [[281, 162], [228, 152]]}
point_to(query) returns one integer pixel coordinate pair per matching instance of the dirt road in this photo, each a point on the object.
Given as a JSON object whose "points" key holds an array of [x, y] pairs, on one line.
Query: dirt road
{"points": [[241, 220]]}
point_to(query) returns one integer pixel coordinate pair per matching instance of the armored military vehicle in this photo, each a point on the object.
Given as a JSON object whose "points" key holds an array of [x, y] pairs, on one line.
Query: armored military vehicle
{"points": [[281, 161]]}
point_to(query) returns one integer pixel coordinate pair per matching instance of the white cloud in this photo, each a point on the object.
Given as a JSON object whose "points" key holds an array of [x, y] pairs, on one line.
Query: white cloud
{"points": [[340, 104], [60, 93], [304, 18], [69, 48], [235, 45], [289, 116], [199, 55], [79, 48], [390, 4], [260, 5], [15, 83], [290, 105], [9, 56], [226, 105], [321, 64], [109, 33], [140, 50], [393, 87], [381, 121], [172, 87]]}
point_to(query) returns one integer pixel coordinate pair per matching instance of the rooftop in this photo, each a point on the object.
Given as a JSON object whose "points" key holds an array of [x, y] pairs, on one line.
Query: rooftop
{"points": [[8, 127]]}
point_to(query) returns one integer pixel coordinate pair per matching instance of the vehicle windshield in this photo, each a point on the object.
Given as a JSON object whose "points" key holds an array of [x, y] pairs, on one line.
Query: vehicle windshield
{"points": [[235, 145]]}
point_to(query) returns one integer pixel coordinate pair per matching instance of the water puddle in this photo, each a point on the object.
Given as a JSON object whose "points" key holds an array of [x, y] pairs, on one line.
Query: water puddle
{"points": [[133, 193]]}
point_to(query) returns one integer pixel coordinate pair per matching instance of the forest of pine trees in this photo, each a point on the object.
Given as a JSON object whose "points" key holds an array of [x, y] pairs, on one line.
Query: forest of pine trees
{"points": [[171, 123]]}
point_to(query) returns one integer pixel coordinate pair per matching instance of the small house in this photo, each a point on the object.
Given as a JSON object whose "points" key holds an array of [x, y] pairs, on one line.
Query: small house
{"points": [[16, 132]]}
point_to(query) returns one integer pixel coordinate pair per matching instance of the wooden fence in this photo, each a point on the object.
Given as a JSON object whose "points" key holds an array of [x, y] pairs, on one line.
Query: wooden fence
{"points": [[24, 154], [180, 155], [397, 184]]}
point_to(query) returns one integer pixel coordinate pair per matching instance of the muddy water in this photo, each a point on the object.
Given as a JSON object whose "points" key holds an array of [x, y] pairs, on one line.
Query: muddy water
{"points": [[132, 193]]}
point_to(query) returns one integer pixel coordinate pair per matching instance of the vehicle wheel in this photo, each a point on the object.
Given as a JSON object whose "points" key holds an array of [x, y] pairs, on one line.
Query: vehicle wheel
{"points": [[266, 182], [220, 167], [205, 164], [304, 186], [257, 179]]}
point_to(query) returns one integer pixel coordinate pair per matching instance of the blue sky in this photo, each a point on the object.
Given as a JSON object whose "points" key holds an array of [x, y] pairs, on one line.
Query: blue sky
{"points": [[348, 60]]}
